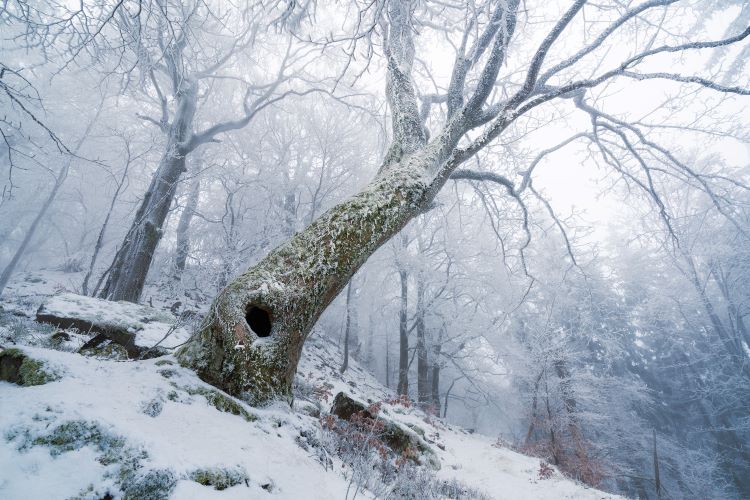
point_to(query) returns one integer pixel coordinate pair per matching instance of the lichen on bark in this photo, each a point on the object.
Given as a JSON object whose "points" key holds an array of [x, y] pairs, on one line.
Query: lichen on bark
{"points": [[296, 282]]}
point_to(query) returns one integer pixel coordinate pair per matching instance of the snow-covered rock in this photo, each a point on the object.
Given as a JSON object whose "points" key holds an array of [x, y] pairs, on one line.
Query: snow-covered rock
{"points": [[135, 327]]}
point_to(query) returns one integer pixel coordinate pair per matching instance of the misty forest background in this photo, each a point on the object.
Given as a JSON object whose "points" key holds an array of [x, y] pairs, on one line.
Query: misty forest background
{"points": [[593, 313]]}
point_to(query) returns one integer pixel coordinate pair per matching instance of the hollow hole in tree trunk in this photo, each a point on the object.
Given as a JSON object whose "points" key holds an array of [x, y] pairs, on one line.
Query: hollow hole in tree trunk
{"points": [[259, 321]]}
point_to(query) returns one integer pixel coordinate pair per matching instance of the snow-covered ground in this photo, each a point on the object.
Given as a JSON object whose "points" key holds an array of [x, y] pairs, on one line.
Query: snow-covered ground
{"points": [[151, 429]]}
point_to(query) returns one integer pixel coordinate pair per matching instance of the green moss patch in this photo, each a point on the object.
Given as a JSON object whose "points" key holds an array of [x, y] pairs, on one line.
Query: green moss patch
{"points": [[128, 472], [151, 485], [222, 403], [19, 368], [220, 478]]}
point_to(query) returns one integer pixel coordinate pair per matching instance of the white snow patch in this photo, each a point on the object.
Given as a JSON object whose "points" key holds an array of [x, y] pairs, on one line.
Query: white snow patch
{"points": [[148, 324], [188, 434]]}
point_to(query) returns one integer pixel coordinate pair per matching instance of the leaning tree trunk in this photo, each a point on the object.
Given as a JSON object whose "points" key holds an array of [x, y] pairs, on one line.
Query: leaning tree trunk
{"points": [[251, 340], [132, 262], [21, 251]]}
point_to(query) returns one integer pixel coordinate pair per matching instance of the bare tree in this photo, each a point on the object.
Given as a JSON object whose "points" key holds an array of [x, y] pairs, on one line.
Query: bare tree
{"points": [[250, 342], [59, 179], [178, 73]]}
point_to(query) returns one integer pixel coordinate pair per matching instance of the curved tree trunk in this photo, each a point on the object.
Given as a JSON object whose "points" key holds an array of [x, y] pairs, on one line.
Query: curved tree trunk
{"points": [[251, 340]]}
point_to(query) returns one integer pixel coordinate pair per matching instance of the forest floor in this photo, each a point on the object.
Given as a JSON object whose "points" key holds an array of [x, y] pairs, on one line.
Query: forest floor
{"points": [[100, 425]]}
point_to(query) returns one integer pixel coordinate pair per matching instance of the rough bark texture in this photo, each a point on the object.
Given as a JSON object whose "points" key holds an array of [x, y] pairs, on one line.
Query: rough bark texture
{"points": [[133, 260], [293, 285], [183, 227], [435, 378], [403, 337], [423, 385], [347, 331], [435, 388], [296, 282]]}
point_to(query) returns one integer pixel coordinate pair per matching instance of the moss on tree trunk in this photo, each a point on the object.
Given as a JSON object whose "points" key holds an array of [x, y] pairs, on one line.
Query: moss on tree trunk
{"points": [[251, 340]]}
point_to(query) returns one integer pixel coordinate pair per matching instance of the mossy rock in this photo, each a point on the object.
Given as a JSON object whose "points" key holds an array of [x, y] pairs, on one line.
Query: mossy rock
{"points": [[222, 403], [220, 478], [18, 368], [396, 437], [59, 338], [344, 407]]}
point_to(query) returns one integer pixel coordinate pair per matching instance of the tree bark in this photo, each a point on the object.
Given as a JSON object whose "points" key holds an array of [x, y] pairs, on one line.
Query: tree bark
{"points": [[403, 336], [251, 340], [133, 260], [183, 227], [435, 379], [423, 387], [348, 327]]}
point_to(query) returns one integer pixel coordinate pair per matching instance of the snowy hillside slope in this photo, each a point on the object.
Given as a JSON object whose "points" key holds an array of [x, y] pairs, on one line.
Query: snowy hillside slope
{"points": [[115, 428]]}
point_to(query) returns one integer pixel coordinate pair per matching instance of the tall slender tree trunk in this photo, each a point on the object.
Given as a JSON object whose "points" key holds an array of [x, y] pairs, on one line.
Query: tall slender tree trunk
{"points": [[447, 396], [387, 359], [657, 478], [183, 227], [435, 378], [534, 416], [347, 330], [423, 386], [21, 251], [403, 336], [132, 262], [732, 344]]}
